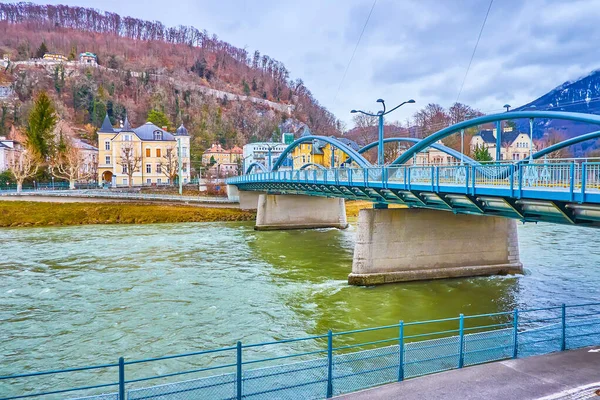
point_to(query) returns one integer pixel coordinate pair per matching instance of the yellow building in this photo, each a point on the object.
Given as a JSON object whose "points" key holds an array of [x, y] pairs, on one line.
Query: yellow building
{"points": [[55, 57], [216, 154], [319, 152], [149, 151]]}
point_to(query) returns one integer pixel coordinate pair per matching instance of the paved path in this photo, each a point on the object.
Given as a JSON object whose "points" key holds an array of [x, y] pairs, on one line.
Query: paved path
{"points": [[93, 199], [527, 378]]}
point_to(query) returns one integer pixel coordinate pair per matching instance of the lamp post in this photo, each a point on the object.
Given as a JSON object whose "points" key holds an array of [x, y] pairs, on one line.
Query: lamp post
{"points": [[179, 159], [294, 158], [380, 115], [52, 182], [244, 163], [269, 155]]}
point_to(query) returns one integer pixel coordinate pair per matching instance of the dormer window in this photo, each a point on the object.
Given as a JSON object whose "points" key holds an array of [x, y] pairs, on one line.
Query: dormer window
{"points": [[158, 135]]}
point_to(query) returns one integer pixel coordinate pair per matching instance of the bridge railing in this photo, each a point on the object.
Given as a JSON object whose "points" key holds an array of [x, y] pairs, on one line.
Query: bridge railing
{"points": [[322, 365], [566, 175]]}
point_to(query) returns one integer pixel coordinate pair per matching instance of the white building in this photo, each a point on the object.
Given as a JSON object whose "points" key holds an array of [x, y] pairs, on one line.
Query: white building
{"points": [[7, 147], [259, 153], [515, 145], [89, 154]]}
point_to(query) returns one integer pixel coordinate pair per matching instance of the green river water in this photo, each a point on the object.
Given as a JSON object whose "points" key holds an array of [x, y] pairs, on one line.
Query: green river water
{"points": [[74, 296]]}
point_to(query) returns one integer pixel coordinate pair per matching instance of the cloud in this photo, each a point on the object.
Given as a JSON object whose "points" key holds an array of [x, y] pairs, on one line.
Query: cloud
{"points": [[410, 49]]}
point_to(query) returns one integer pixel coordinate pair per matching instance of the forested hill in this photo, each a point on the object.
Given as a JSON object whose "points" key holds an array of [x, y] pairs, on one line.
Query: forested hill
{"points": [[146, 65]]}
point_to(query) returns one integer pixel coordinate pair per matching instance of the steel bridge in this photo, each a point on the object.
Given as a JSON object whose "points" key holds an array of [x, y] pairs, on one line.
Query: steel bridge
{"points": [[531, 190]]}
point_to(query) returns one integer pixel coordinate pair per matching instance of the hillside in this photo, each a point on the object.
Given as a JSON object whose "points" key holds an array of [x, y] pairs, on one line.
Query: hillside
{"points": [[219, 91]]}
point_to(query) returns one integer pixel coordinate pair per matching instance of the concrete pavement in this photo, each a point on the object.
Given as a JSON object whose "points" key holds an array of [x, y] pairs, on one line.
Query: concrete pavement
{"points": [[527, 378]]}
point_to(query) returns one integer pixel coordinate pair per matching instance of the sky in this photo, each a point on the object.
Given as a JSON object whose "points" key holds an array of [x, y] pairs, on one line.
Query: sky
{"points": [[410, 49]]}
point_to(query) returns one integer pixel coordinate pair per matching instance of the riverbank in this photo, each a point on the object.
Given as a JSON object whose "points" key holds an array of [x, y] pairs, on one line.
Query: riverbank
{"points": [[73, 211], [28, 213]]}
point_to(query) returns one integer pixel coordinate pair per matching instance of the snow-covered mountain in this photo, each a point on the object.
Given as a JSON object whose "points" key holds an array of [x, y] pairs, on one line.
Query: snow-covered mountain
{"points": [[582, 95]]}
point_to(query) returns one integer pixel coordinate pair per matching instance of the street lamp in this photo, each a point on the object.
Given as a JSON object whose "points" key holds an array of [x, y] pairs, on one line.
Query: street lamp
{"points": [[380, 115], [270, 148], [531, 107], [244, 163], [507, 106], [294, 158]]}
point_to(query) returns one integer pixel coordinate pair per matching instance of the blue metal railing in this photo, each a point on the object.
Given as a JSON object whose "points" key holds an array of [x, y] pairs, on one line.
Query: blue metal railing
{"points": [[564, 181], [336, 362]]}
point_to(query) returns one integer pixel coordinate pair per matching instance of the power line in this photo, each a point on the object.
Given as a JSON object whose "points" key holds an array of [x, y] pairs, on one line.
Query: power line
{"points": [[354, 52], [474, 50]]}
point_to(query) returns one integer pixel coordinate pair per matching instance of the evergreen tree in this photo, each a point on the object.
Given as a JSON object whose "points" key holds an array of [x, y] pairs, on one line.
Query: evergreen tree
{"points": [[481, 153], [246, 87], [42, 121], [159, 119], [41, 51]]}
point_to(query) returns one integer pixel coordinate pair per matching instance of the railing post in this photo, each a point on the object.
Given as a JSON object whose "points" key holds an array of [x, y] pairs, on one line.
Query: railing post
{"points": [[516, 332], [467, 176], [329, 364], [121, 378], [401, 351], [461, 341], [572, 183], [583, 180], [563, 341], [521, 180], [238, 374]]}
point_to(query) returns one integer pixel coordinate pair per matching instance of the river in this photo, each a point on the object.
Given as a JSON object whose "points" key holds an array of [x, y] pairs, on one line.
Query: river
{"points": [[88, 294]]}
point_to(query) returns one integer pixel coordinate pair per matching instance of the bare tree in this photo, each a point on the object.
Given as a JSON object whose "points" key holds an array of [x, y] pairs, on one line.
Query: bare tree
{"points": [[69, 163], [367, 128], [23, 164], [550, 138], [130, 160], [169, 164]]}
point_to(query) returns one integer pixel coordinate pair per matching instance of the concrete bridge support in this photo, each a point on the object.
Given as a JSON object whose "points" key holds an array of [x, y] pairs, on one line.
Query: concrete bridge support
{"points": [[299, 212], [397, 245], [249, 199]]}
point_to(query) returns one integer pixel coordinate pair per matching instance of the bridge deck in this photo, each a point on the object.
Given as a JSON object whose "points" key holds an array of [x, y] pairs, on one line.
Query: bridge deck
{"points": [[560, 193]]}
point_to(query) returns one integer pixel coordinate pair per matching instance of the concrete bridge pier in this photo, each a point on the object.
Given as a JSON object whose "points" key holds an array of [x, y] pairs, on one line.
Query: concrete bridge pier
{"points": [[248, 199], [278, 212], [398, 245]]}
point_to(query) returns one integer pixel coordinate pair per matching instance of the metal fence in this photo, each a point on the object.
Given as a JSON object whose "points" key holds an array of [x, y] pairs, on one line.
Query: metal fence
{"points": [[325, 365], [565, 175]]}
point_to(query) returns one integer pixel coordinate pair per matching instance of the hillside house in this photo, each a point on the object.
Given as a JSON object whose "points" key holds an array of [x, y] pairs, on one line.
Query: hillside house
{"points": [[88, 58]]}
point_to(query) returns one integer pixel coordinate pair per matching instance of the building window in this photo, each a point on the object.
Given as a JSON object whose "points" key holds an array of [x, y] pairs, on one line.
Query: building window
{"points": [[158, 135], [127, 138], [148, 154], [159, 180], [184, 167], [107, 160], [107, 145], [157, 152], [125, 181], [184, 151], [158, 168], [148, 168], [148, 180], [125, 168]]}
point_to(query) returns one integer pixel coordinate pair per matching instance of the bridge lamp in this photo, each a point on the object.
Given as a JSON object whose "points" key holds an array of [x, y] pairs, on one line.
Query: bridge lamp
{"points": [[507, 106], [380, 115]]}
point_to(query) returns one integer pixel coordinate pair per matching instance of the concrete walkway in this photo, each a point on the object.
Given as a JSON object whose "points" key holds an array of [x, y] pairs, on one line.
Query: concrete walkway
{"points": [[527, 378]]}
